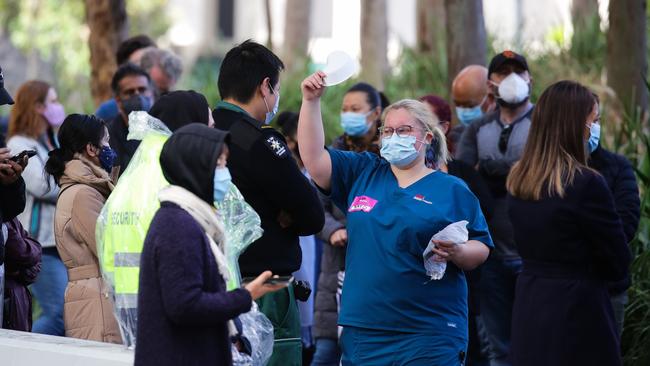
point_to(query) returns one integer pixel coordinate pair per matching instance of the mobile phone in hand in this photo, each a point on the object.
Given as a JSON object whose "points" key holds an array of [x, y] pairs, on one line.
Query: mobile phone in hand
{"points": [[18, 158], [275, 280]]}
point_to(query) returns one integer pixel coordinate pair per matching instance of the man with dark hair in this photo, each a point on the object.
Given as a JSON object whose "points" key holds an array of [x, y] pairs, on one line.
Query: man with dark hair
{"points": [[493, 143], [621, 180], [266, 174], [132, 88], [131, 50]]}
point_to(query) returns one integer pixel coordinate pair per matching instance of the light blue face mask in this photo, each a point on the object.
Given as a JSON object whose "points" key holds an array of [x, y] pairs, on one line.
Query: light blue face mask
{"points": [[354, 124], [399, 151], [467, 115], [594, 137], [222, 181], [270, 113]]}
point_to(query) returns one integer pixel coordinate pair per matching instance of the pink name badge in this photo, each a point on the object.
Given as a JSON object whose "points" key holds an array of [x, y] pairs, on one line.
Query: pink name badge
{"points": [[362, 203]]}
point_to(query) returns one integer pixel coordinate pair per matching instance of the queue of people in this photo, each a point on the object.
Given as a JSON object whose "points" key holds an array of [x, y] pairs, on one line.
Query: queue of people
{"points": [[515, 291]]}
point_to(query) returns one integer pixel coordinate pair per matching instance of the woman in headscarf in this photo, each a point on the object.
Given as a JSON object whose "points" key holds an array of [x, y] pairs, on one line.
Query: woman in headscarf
{"points": [[184, 309]]}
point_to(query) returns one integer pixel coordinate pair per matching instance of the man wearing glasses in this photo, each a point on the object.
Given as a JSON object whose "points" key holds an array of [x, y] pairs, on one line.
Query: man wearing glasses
{"points": [[493, 144]]}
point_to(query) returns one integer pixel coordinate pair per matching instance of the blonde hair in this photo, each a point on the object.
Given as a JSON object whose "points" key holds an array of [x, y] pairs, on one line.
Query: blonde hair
{"points": [[422, 114]]}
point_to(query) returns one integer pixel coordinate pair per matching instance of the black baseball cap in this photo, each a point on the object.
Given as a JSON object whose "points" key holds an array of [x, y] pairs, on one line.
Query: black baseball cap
{"points": [[507, 57], [5, 98]]}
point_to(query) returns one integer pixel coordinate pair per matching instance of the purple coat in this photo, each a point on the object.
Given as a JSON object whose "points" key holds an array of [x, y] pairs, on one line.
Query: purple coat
{"points": [[22, 265], [183, 306]]}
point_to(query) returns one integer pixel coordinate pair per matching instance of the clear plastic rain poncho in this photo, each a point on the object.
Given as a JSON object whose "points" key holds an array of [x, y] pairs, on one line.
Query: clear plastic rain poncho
{"points": [[243, 226], [124, 221]]}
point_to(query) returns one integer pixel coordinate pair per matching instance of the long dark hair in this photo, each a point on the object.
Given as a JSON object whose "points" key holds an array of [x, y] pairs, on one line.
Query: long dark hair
{"points": [[555, 150], [77, 131]]}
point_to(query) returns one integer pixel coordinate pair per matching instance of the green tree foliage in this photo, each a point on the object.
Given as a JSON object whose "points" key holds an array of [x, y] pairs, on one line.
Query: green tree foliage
{"points": [[147, 17], [56, 31]]}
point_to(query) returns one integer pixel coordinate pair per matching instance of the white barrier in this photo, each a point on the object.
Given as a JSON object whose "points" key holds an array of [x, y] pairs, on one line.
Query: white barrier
{"points": [[27, 349]]}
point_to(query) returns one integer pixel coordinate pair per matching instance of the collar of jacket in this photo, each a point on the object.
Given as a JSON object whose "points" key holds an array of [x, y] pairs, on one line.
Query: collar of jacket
{"points": [[231, 107], [82, 171], [232, 115]]}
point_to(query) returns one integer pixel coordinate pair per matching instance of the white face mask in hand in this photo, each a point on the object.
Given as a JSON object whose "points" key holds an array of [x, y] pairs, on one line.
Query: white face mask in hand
{"points": [[513, 89]]}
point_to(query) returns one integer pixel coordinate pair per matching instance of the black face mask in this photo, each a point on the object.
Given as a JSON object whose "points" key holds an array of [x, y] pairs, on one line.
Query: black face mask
{"points": [[135, 103]]}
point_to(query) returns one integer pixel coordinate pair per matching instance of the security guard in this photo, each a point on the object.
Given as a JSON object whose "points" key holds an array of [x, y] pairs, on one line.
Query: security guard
{"points": [[263, 169]]}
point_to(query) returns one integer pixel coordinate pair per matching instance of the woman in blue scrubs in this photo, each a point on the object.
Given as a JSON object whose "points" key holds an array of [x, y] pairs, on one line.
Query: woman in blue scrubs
{"points": [[392, 313]]}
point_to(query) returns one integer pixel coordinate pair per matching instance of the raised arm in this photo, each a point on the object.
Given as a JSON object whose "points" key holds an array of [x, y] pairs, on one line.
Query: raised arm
{"points": [[311, 137]]}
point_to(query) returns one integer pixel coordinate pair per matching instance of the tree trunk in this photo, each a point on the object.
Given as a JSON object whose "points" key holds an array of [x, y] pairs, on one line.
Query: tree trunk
{"points": [[583, 12], [626, 52], [466, 38], [296, 33], [269, 24], [107, 21], [374, 42], [430, 24]]}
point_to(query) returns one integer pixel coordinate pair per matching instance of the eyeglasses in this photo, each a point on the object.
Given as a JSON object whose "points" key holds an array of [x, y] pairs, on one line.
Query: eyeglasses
{"points": [[402, 131], [504, 138]]}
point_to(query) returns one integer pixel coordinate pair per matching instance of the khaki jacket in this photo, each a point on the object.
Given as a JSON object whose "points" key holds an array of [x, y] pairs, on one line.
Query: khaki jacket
{"points": [[88, 311]]}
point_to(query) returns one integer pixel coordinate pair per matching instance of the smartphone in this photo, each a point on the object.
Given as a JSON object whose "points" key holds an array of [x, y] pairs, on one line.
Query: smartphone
{"points": [[21, 156], [275, 280]]}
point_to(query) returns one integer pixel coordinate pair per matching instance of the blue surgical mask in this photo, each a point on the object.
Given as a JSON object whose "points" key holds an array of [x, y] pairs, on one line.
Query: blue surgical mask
{"points": [[594, 137], [107, 158], [354, 124], [467, 115], [399, 151], [271, 113], [222, 181]]}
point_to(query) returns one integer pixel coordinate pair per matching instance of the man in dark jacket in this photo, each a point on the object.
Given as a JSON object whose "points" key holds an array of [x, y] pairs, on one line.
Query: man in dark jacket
{"points": [[265, 172], [619, 175], [12, 192], [493, 144], [12, 189], [12, 185], [133, 92]]}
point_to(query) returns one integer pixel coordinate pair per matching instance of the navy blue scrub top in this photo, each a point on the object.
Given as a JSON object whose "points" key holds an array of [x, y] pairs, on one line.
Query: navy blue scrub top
{"points": [[386, 286]]}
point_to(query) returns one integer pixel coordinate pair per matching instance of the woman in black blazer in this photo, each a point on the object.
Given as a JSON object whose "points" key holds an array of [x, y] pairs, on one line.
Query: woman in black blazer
{"points": [[569, 236]]}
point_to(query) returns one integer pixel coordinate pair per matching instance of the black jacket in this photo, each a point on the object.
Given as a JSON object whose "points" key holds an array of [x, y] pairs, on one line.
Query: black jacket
{"points": [[571, 248], [263, 169], [118, 131], [619, 176], [12, 204]]}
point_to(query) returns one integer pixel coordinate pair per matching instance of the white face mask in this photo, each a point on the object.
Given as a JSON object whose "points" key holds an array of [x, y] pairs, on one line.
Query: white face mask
{"points": [[514, 89]]}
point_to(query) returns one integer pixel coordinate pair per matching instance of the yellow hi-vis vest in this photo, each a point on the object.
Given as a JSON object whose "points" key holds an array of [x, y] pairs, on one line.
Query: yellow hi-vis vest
{"points": [[123, 224]]}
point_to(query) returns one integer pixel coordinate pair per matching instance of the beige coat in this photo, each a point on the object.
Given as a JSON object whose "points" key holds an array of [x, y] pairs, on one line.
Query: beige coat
{"points": [[88, 312]]}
